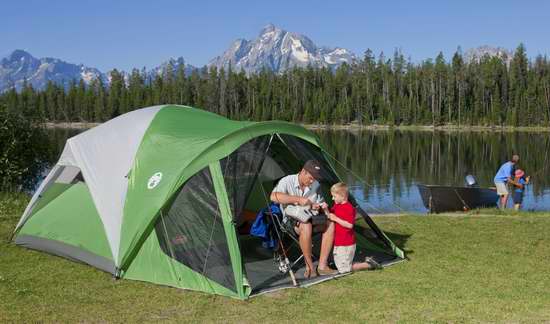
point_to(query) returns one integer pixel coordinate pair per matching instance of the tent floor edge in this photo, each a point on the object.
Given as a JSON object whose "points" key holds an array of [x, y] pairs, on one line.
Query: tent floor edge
{"points": [[67, 251], [306, 283]]}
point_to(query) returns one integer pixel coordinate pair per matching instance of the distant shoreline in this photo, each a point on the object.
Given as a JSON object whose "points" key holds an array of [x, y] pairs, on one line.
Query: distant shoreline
{"points": [[430, 128], [358, 127], [75, 125]]}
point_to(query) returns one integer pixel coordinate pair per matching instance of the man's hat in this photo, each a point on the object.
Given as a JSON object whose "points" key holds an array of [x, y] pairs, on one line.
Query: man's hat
{"points": [[314, 168]]}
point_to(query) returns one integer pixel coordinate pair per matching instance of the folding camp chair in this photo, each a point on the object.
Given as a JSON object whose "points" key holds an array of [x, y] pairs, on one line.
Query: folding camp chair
{"points": [[284, 225], [286, 229]]}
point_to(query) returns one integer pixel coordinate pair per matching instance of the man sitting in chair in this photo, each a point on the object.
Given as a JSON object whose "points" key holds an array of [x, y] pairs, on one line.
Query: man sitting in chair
{"points": [[302, 189]]}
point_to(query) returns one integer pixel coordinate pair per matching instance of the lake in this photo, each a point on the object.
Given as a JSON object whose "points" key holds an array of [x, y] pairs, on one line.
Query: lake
{"points": [[383, 167]]}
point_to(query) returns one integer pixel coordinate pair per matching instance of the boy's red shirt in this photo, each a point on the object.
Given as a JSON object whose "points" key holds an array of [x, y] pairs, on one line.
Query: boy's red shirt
{"points": [[344, 236]]}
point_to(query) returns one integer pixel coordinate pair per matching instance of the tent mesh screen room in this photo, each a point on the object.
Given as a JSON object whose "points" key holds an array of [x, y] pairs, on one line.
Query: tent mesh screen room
{"points": [[289, 153], [191, 231]]}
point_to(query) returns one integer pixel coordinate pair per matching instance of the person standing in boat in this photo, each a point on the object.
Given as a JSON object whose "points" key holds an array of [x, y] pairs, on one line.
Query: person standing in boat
{"points": [[503, 178]]}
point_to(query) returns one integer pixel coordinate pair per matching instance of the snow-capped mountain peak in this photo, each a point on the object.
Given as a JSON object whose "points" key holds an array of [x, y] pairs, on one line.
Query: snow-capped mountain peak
{"points": [[279, 50]]}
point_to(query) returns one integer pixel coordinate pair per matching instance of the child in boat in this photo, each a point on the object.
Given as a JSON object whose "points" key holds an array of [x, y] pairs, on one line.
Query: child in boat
{"points": [[343, 216], [520, 181]]}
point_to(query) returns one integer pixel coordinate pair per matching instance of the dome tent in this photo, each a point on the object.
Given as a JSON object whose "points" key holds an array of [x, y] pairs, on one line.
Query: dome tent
{"points": [[157, 195]]}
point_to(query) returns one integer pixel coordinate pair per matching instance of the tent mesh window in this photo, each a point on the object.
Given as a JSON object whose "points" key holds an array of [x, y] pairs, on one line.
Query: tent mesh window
{"points": [[240, 170], [306, 151], [191, 231]]}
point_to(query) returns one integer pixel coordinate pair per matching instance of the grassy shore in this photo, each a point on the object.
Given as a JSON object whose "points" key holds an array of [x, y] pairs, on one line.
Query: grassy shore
{"points": [[480, 267]]}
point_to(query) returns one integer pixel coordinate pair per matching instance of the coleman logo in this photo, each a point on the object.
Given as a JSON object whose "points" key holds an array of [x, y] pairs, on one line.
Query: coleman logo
{"points": [[154, 180]]}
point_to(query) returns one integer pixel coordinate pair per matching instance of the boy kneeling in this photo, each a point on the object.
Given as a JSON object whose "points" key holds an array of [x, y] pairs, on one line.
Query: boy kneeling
{"points": [[343, 216]]}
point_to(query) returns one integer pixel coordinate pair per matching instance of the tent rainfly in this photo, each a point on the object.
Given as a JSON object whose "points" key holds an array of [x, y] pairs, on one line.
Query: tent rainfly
{"points": [[162, 194]]}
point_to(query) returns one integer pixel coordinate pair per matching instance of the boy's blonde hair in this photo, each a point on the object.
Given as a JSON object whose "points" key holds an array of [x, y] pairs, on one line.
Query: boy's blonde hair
{"points": [[340, 188]]}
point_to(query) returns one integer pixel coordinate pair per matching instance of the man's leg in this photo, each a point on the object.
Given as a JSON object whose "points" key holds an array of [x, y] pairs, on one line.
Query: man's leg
{"points": [[502, 193], [504, 201], [326, 245], [305, 244]]}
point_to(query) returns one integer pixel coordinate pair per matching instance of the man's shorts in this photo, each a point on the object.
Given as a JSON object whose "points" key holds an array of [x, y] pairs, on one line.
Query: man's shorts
{"points": [[517, 197], [343, 257], [502, 188]]}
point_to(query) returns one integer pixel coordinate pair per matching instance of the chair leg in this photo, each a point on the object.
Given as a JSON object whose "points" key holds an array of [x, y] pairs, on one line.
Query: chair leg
{"points": [[297, 260], [294, 243]]}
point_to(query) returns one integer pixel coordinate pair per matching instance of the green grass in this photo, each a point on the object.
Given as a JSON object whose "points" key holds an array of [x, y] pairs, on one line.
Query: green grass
{"points": [[483, 267]]}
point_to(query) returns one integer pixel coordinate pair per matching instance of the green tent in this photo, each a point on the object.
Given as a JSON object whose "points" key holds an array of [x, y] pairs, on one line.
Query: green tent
{"points": [[164, 194]]}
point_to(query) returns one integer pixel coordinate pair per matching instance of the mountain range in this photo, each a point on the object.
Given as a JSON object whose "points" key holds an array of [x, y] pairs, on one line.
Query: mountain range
{"points": [[274, 49]]}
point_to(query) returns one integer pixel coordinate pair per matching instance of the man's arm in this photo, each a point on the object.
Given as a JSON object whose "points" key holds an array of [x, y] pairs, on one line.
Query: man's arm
{"points": [[282, 198]]}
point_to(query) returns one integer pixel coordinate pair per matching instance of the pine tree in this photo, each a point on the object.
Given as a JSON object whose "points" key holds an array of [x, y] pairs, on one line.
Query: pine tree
{"points": [[518, 83], [458, 84]]}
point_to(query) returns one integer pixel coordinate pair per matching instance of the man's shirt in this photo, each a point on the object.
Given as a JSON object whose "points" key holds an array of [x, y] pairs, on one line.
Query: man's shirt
{"points": [[289, 185]]}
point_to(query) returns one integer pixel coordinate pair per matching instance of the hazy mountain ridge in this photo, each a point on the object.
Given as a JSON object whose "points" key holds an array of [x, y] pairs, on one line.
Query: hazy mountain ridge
{"points": [[21, 66], [476, 54]]}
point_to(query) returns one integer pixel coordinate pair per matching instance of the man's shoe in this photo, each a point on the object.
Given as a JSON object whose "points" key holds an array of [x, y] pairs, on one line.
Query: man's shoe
{"points": [[327, 271]]}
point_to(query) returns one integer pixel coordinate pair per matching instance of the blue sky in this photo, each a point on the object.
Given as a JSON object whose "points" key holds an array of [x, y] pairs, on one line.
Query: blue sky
{"points": [[127, 34]]}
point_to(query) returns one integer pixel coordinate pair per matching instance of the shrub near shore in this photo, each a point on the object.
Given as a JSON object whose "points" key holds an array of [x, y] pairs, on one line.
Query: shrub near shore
{"points": [[23, 144]]}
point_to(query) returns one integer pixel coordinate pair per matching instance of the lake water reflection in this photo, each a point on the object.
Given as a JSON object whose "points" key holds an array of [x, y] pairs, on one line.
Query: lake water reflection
{"points": [[388, 164], [385, 166]]}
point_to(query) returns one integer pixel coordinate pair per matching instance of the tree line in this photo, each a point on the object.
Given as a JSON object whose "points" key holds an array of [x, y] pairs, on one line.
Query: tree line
{"points": [[490, 90]]}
